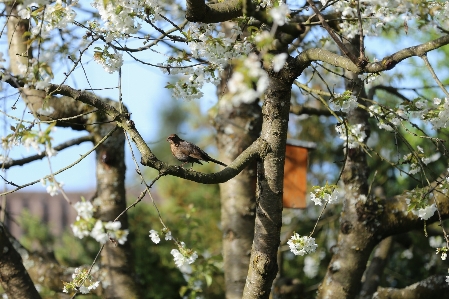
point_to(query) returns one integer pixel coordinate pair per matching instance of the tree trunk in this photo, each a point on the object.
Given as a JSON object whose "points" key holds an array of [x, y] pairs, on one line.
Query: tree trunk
{"points": [[237, 128], [270, 174], [356, 239]]}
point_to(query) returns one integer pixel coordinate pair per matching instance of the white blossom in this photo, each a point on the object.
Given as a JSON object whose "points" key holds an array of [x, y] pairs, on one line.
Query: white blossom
{"points": [[279, 14], [168, 236], [85, 209], [426, 212], [311, 267], [279, 61], [435, 241], [181, 259], [324, 194], [356, 135], [98, 233], [301, 245], [154, 236]]}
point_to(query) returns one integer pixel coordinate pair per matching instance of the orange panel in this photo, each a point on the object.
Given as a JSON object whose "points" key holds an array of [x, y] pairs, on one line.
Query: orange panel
{"points": [[295, 177]]}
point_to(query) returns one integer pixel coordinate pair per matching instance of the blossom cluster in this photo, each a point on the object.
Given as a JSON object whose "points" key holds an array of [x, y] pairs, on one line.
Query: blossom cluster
{"points": [[416, 159], [247, 72], [387, 119], [36, 72], [356, 134], [443, 250], [81, 282], [346, 102], [39, 140], [86, 225], [111, 62], [301, 245], [183, 256], [154, 235], [376, 14], [56, 15], [217, 49], [327, 194], [417, 202], [53, 186]]}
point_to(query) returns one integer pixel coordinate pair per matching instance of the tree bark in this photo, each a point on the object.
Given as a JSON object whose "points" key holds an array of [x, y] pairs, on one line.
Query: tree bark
{"points": [[374, 273], [237, 128], [270, 174], [14, 278], [431, 287]]}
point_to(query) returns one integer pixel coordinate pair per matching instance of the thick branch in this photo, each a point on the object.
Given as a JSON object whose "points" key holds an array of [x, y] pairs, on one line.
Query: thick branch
{"points": [[389, 62], [199, 11], [373, 274], [397, 220], [431, 287], [301, 109], [13, 277]]}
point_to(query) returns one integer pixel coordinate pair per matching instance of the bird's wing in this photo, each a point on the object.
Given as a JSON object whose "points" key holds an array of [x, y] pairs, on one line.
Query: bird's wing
{"points": [[197, 153]]}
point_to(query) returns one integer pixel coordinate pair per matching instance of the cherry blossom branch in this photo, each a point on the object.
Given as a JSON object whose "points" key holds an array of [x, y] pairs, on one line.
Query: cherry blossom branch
{"points": [[20, 162], [332, 34], [64, 168]]}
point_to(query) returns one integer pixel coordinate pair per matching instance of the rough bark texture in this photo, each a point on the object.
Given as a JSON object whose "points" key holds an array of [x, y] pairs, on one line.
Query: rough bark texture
{"points": [[237, 128], [431, 287], [376, 268], [18, 52], [14, 278], [270, 173]]}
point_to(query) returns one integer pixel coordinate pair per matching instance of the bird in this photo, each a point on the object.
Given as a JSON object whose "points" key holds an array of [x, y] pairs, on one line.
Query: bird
{"points": [[188, 152]]}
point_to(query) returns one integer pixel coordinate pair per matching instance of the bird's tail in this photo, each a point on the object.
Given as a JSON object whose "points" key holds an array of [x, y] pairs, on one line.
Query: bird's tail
{"points": [[218, 162]]}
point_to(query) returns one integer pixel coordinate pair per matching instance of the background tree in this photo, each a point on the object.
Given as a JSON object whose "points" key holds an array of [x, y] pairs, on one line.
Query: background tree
{"points": [[275, 59]]}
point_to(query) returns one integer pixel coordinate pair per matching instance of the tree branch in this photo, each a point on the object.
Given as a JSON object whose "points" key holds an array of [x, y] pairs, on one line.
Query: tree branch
{"points": [[301, 109], [431, 287], [13, 277], [387, 63], [199, 11], [334, 36], [148, 158], [373, 274], [20, 162], [396, 221]]}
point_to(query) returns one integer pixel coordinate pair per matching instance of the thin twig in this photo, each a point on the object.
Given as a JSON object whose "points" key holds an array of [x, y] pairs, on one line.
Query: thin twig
{"points": [[434, 75], [59, 147]]}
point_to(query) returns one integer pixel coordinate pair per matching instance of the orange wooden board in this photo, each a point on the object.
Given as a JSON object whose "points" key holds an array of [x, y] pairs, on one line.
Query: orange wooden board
{"points": [[295, 177]]}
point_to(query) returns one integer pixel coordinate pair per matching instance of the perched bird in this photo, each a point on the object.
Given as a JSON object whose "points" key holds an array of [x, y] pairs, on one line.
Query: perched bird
{"points": [[188, 152]]}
